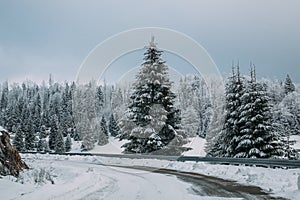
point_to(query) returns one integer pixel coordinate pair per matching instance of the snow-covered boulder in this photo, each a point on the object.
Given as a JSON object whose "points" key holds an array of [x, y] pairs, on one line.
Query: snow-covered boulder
{"points": [[10, 160]]}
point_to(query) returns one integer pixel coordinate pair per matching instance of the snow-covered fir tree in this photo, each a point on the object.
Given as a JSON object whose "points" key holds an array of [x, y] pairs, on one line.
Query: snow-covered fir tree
{"points": [[54, 131], [117, 98], [29, 136], [19, 140], [88, 140], [103, 135], [60, 144], [85, 116], [103, 125], [248, 130], [113, 127], [68, 143], [41, 145], [288, 85], [66, 120], [234, 89], [99, 103], [4, 96], [151, 91], [288, 114], [256, 137], [195, 105], [191, 121]]}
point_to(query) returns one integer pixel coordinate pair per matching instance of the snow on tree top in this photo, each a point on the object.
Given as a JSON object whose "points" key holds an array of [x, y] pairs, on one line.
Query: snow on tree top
{"points": [[2, 129], [152, 44]]}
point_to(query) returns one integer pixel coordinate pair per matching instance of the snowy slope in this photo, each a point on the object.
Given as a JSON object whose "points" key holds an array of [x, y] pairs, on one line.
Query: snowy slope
{"points": [[114, 146], [197, 144], [297, 139]]}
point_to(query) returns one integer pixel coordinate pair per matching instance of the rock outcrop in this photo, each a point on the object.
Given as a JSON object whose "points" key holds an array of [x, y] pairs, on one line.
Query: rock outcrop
{"points": [[10, 160]]}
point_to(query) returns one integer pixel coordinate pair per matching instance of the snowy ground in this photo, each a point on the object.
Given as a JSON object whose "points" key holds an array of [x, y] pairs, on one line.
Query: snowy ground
{"points": [[197, 144], [79, 177], [115, 147], [297, 139], [280, 182]]}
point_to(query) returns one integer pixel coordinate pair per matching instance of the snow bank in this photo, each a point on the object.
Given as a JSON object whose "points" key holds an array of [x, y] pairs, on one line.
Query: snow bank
{"points": [[53, 177]]}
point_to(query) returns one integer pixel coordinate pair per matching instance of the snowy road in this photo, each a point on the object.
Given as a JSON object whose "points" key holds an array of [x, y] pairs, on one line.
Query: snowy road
{"points": [[82, 179], [203, 185]]}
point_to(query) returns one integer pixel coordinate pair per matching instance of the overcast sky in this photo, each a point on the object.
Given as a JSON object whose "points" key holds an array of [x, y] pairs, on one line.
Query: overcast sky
{"points": [[42, 37]]}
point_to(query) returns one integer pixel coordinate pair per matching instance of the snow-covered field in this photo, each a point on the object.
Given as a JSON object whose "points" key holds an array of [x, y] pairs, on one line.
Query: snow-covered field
{"points": [[81, 177]]}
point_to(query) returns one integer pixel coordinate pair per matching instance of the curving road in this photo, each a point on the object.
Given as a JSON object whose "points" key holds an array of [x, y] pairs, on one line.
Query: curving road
{"points": [[87, 180], [203, 185]]}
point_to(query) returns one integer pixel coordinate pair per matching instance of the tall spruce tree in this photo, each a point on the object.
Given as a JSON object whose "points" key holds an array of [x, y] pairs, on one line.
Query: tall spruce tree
{"points": [[29, 137], [68, 143], [99, 103], [152, 95], [4, 96], [41, 145], [256, 138], [60, 144], [28, 130], [103, 126], [113, 127], [19, 141], [288, 85], [53, 132], [228, 140], [247, 131], [103, 134], [87, 137]]}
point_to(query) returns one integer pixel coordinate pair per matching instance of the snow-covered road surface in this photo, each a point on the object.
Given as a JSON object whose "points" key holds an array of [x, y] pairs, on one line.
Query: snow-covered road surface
{"points": [[84, 178], [80, 179], [211, 186]]}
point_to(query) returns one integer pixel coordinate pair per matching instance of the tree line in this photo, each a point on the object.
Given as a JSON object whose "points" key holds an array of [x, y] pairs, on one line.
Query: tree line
{"points": [[50, 116], [246, 118]]}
